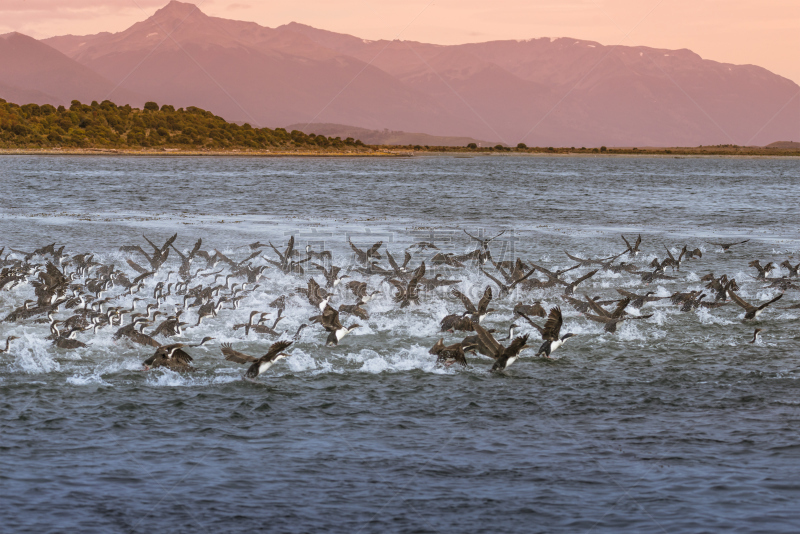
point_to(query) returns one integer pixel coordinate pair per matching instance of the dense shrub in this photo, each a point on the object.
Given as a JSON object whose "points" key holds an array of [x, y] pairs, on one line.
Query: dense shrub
{"points": [[106, 125]]}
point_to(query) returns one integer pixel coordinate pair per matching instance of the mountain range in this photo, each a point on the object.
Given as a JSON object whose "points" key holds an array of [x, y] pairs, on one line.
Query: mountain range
{"points": [[543, 92]]}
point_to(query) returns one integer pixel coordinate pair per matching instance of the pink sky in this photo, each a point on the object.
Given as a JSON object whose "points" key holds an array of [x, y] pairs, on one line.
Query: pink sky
{"points": [[760, 32]]}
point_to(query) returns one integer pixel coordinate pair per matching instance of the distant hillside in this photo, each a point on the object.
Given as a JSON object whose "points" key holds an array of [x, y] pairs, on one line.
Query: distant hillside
{"points": [[385, 137], [107, 125], [542, 92], [31, 71], [784, 144]]}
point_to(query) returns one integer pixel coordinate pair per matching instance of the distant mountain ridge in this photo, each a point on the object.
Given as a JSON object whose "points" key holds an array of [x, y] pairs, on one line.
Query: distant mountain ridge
{"points": [[38, 73], [543, 92]]}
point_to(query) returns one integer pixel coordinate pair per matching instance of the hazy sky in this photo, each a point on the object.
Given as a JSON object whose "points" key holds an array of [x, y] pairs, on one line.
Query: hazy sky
{"points": [[761, 32]]}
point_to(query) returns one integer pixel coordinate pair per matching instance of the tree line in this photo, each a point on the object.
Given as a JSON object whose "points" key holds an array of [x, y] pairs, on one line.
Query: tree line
{"points": [[106, 125]]}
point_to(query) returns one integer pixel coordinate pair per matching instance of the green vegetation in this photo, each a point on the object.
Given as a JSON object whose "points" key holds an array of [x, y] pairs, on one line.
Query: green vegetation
{"points": [[107, 125], [718, 150]]}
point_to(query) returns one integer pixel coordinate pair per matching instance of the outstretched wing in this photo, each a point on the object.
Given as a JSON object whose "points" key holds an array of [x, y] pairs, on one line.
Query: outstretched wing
{"points": [[275, 349], [552, 327], [418, 274], [596, 307], [625, 293], [539, 328], [738, 300], [465, 300], [493, 347], [234, 355], [373, 250], [393, 263], [617, 313], [493, 279], [168, 242], [585, 277], [483, 305], [761, 307]]}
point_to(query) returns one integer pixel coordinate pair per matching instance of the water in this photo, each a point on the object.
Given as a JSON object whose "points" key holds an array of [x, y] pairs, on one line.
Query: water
{"points": [[675, 423]]}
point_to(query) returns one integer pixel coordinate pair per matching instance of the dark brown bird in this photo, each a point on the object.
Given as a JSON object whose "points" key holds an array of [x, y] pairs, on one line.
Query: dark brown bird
{"points": [[448, 355], [171, 357], [551, 332], [330, 321], [726, 246], [408, 294], [751, 312], [611, 319], [503, 356], [259, 365], [364, 257], [531, 310], [762, 271], [632, 250]]}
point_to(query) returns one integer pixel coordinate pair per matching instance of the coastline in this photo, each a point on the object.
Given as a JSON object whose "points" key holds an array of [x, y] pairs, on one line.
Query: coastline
{"points": [[196, 153], [382, 152]]}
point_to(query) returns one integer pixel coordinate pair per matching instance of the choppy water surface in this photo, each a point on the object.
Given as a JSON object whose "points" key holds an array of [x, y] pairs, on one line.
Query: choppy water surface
{"points": [[675, 423]]}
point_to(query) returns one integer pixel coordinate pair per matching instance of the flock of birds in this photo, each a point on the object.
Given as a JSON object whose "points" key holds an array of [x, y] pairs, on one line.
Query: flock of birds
{"points": [[76, 294]]}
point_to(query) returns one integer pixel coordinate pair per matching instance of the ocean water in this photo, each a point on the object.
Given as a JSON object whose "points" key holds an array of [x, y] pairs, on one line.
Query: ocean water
{"points": [[674, 423]]}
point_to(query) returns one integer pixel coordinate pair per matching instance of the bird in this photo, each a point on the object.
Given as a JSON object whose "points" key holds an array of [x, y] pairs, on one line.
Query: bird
{"points": [[611, 319], [210, 309], [531, 310], [355, 309], [551, 332], [323, 255], [476, 314], [332, 277], [751, 312], [586, 262], [794, 271], [68, 341], [171, 357], [262, 328], [555, 278], [726, 246], [484, 243], [408, 294], [756, 335], [505, 289], [9, 339], [316, 295], [422, 245], [637, 301], [330, 321], [762, 271], [448, 355], [690, 254], [671, 261], [400, 271], [632, 250], [456, 322], [503, 356], [258, 365], [364, 257]]}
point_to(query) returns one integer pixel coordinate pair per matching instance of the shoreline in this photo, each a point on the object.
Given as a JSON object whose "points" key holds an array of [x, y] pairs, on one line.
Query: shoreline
{"points": [[192, 153], [379, 153]]}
